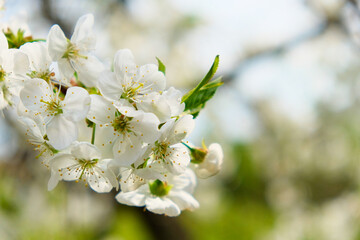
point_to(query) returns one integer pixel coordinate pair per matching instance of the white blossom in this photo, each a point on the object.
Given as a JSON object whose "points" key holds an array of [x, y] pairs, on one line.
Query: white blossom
{"points": [[168, 150], [83, 163], [123, 128], [75, 55], [131, 82], [13, 68], [35, 135], [168, 198], [212, 162], [60, 115]]}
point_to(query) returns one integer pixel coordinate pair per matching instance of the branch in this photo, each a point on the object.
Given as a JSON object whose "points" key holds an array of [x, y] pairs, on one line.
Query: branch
{"points": [[280, 49], [52, 16]]}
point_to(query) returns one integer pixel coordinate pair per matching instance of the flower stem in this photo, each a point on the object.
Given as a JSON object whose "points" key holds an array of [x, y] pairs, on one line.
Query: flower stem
{"points": [[93, 134], [190, 148]]}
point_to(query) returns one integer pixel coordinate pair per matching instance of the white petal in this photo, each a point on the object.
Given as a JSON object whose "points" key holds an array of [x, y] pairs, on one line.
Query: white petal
{"points": [[34, 91], [59, 164], [127, 110], [155, 204], [186, 181], [38, 55], [173, 98], [99, 182], [33, 131], [61, 161], [155, 103], [61, 132], [184, 200], [162, 206], [182, 128], [102, 140], [153, 79], [65, 68], [129, 180], [3, 42], [109, 86], [177, 159], [57, 43], [124, 64], [76, 104], [83, 35], [101, 111], [126, 151], [107, 135], [84, 150], [88, 70], [53, 181], [146, 125], [3, 102], [21, 63], [171, 209], [133, 198]]}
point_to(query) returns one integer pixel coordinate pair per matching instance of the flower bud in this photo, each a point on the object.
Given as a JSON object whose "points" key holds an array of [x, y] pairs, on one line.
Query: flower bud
{"points": [[210, 162]]}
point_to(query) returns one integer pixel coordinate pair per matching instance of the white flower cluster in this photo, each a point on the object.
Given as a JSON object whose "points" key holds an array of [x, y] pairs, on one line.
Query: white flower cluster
{"points": [[118, 129]]}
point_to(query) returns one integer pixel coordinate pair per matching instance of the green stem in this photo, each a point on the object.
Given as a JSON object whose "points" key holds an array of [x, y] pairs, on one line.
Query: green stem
{"points": [[190, 148], [93, 134], [38, 40]]}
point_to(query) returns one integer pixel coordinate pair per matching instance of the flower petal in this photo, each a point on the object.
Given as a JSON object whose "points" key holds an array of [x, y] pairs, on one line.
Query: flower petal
{"points": [[153, 79], [184, 200], [85, 150], [177, 159], [61, 132], [109, 86], [182, 128], [3, 42], [83, 35], [133, 198], [88, 70], [76, 104], [127, 150], [124, 65], [33, 92], [38, 55], [101, 111], [57, 43], [146, 125]]}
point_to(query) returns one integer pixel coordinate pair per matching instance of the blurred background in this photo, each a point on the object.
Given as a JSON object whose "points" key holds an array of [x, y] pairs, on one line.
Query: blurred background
{"points": [[288, 118]]}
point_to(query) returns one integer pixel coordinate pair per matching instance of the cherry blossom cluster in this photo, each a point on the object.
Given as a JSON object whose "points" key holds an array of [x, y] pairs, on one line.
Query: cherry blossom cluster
{"points": [[115, 127]]}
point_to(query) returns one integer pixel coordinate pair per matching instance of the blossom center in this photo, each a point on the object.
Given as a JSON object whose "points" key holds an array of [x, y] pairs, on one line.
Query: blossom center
{"points": [[72, 52], [2, 74], [46, 75], [160, 150], [159, 188], [130, 92], [53, 107], [121, 124]]}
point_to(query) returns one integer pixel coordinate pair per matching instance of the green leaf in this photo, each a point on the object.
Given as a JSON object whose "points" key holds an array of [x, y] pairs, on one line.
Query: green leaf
{"points": [[196, 98], [206, 79], [162, 67]]}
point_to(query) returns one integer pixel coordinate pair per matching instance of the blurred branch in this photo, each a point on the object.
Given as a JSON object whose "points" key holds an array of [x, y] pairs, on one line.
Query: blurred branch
{"points": [[276, 50], [52, 16], [164, 228]]}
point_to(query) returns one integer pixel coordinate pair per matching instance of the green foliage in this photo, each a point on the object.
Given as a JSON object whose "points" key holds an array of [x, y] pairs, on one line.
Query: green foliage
{"points": [[236, 219], [18, 39], [196, 98], [162, 67]]}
